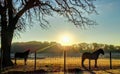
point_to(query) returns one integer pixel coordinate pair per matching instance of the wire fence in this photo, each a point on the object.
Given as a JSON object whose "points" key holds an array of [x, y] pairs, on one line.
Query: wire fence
{"points": [[56, 63], [72, 62]]}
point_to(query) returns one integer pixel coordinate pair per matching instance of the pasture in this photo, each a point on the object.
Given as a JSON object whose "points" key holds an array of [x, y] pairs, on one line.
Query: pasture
{"points": [[55, 65]]}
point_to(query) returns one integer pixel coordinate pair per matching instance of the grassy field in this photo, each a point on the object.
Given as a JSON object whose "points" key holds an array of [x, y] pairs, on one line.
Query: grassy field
{"points": [[55, 65]]}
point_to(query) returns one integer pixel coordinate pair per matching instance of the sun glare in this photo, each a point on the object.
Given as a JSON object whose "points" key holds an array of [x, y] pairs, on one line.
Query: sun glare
{"points": [[65, 40]]}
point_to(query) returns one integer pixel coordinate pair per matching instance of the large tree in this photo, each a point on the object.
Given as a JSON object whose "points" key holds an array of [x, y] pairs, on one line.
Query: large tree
{"points": [[15, 15]]}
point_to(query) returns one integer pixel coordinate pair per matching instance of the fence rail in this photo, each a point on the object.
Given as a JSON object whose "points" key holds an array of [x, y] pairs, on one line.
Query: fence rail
{"points": [[57, 63]]}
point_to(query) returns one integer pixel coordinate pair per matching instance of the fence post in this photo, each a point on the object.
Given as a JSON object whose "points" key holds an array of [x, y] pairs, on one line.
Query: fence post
{"points": [[89, 64], [90, 61], [110, 61], [1, 68], [35, 61], [64, 61]]}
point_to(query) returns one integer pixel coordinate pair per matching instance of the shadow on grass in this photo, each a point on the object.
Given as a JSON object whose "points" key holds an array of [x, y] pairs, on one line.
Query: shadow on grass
{"points": [[89, 70], [108, 72], [101, 68], [42, 71], [75, 71], [58, 70]]}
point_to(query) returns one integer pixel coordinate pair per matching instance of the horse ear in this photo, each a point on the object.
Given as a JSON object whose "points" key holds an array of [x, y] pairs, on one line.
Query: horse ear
{"points": [[100, 49], [27, 49]]}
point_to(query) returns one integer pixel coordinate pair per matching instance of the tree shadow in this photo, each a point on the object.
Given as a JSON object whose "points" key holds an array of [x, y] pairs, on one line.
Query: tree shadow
{"points": [[41, 71], [108, 72], [89, 70], [75, 71]]}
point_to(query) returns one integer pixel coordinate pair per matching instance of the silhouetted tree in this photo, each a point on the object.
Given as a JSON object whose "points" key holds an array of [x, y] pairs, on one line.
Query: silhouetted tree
{"points": [[15, 15], [95, 46], [84, 46]]}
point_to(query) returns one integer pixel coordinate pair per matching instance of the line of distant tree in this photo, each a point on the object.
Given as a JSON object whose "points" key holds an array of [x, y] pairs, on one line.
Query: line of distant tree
{"points": [[34, 45], [95, 46], [58, 48]]}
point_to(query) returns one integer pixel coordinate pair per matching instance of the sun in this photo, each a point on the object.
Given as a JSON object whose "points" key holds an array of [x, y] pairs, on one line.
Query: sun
{"points": [[65, 40]]}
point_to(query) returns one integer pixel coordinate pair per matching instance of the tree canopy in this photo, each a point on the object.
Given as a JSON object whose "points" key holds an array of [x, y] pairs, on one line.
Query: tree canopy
{"points": [[25, 10]]}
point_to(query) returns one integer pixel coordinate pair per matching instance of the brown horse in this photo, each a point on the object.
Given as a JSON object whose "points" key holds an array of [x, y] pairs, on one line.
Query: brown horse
{"points": [[23, 55], [92, 56]]}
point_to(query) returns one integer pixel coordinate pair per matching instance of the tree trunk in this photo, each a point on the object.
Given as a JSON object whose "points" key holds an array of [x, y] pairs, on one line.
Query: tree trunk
{"points": [[6, 40]]}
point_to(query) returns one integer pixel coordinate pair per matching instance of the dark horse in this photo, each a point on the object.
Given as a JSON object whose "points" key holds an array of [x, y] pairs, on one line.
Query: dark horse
{"points": [[92, 56], [22, 55]]}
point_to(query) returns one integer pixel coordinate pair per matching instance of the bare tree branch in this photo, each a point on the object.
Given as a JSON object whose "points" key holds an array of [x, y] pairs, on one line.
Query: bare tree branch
{"points": [[23, 11]]}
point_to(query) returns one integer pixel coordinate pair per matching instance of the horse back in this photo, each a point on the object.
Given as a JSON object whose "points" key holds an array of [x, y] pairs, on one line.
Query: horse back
{"points": [[86, 55], [21, 54]]}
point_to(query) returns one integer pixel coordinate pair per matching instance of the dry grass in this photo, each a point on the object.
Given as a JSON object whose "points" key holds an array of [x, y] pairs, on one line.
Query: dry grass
{"points": [[56, 64]]}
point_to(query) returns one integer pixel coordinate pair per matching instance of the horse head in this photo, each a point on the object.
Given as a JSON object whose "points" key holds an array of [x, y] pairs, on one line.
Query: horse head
{"points": [[101, 51], [28, 50]]}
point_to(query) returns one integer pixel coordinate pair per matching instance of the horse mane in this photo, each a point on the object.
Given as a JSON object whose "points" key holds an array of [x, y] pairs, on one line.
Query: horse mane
{"points": [[27, 51], [97, 51]]}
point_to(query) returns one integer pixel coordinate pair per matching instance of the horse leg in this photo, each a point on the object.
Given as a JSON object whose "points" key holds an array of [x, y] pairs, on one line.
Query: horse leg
{"points": [[15, 61], [25, 60], [89, 64], [95, 63], [83, 62]]}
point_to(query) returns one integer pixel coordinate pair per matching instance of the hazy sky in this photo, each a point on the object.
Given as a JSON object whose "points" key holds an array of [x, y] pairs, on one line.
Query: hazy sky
{"points": [[107, 31]]}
